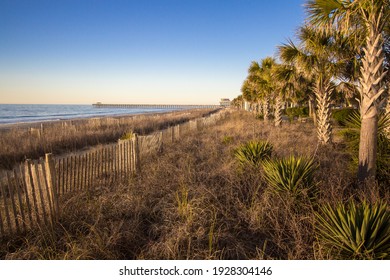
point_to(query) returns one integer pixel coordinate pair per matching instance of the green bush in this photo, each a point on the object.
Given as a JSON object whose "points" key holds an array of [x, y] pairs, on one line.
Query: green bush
{"points": [[227, 140], [292, 174], [253, 152], [297, 112], [356, 231], [260, 117], [341, 115]]}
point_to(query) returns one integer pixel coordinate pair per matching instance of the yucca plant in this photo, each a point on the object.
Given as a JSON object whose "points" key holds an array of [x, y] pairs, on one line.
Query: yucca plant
{"points": [[356, 231], [292, 174], [253, 152]]}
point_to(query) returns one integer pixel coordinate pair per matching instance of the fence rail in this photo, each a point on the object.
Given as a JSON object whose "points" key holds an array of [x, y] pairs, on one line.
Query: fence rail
{"points": [[29, 194]]}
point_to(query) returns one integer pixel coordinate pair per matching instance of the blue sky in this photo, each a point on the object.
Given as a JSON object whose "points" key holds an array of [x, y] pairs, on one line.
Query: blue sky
{"points": [[130, 51]]}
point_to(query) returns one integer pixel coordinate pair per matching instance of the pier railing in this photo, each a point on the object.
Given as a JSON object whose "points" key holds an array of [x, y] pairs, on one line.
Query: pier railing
{"points": [[155, 106], [30, 194]]}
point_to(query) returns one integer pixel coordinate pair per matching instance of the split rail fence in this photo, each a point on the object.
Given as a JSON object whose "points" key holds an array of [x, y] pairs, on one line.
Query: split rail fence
{"points": [[30, 193]]}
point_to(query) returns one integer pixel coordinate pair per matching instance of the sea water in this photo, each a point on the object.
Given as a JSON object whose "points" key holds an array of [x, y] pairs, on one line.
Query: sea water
{"points": [[27, 113]]}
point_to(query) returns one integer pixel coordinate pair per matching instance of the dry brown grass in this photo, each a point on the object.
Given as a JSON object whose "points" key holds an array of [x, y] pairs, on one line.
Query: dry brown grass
{"points": [[193, 201]]}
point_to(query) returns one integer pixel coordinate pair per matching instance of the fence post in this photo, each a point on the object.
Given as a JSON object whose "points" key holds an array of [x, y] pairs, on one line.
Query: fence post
{"points": [[50, 175], [136, 153], [177, 132], [172, 134], [161, 144]]}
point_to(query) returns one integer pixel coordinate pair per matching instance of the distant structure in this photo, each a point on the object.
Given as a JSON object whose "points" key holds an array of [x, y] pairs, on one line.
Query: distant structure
{"points": [[155, 106], [225, 102]]}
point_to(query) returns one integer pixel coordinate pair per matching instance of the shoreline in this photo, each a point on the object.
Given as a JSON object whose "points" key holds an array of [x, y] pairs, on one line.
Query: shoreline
{"points": [[38, 124], [31, 140]]}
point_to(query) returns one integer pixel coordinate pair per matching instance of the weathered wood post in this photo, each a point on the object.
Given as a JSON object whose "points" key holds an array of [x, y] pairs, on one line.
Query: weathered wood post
{"points": [[6, 210], [30, 189], [51, 183], [177, 131], [11, 187], [172, 134], [160, 143], [136, 153]]}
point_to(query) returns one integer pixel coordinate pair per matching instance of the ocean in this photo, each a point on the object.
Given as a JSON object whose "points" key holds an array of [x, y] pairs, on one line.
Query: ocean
{"points": [[18, 113]]}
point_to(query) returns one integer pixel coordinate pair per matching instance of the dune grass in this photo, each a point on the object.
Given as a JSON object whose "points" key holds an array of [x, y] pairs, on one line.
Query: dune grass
{"points": [[195, 201]]}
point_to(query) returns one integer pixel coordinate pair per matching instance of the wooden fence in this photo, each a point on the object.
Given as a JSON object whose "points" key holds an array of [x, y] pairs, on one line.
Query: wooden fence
{"points": [[29, 194]]}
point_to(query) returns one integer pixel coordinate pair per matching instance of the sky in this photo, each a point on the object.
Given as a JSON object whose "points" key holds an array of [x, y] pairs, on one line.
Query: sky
{"points": [[133, 51]]}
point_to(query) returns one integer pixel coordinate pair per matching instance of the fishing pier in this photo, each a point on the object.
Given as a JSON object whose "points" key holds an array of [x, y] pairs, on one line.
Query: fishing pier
{"points": [[154, 106]]}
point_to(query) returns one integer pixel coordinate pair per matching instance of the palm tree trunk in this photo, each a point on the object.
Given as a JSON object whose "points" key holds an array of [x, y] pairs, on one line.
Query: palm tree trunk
{"points": [[266, 109], [387, 111], [278, 111], [259, 108], [371, 89], [368, 145], [246, 105], [322, 91], [312, 108]]}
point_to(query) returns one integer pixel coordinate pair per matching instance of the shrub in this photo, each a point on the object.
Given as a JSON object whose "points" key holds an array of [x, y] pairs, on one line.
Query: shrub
{"points": [[297, 112], [260, 117], [356, 231], [341, 116], [227, 140], [253, 152], [292, 174]]}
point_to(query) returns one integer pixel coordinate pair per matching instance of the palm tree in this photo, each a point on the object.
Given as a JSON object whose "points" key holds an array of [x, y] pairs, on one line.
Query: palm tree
{"points": [[249, 89], [237, 102], [371, 18], [247, 92], [266, 84], [316, 59], [258, 86], [290, 84]]}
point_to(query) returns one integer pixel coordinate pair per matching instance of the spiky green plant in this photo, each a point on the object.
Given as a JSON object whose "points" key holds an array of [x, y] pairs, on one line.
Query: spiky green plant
{"points": [[356, 231], [292, 174], [253, 152]]}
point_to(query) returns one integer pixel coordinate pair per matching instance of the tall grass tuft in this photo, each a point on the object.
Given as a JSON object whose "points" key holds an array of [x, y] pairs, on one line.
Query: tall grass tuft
{"points": [[253, 152], [127, 136], [356, 231], [291, 174]]}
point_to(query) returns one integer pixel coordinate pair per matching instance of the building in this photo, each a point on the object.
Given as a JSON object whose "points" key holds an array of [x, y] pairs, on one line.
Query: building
{"points": [[225, 102]]}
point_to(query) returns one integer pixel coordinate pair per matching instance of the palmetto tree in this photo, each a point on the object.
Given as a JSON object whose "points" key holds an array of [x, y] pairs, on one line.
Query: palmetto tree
{"points": [[266, 84], [237, 102], [371, 18], [247, 91], [290, 84], [249, 87], [316, 59], [258, 86]]}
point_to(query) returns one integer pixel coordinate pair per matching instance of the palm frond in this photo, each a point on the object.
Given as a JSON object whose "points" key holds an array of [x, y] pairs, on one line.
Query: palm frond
{"points": [[325, 13], [289, 52]]}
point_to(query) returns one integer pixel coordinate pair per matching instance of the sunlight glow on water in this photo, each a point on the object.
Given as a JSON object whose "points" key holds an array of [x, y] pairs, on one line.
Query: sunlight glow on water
{"points": [[11, 114]]}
